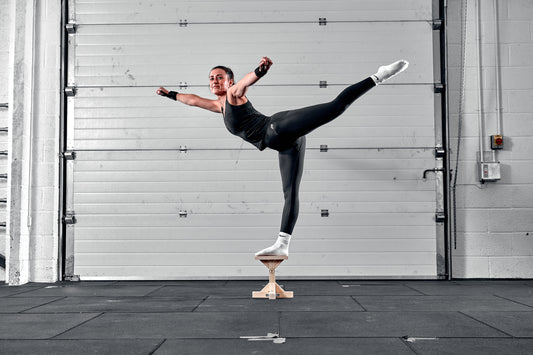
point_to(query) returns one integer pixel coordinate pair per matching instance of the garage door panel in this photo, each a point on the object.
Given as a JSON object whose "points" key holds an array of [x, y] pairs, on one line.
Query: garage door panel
{"points": [[157, 11], [232, 259], [301, 265], [380, 196], [238, 144], [107, 104], [183, 134], [240, 208], [289, 270], [253, 220], [303, 53], [310, 234], [235, 188], [194, 181], [105, 119], [302, 246]]}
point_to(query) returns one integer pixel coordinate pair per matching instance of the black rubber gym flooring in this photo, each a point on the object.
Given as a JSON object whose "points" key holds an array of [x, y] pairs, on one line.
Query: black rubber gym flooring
{"points": [[220, 317]]}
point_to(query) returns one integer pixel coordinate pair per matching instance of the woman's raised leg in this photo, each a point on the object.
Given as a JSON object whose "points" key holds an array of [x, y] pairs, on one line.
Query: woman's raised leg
{"points": [[296, 123]]}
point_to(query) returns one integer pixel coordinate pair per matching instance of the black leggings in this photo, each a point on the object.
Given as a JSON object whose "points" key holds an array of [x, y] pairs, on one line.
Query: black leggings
{"points": [[286, 134]]}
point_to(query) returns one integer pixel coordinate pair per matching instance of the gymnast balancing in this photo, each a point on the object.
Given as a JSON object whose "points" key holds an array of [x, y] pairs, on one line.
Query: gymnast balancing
{"points": [[284, 131]]}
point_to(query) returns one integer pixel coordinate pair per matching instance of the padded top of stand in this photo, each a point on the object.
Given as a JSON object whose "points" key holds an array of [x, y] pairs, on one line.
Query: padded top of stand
{"points": [[271, 257]]}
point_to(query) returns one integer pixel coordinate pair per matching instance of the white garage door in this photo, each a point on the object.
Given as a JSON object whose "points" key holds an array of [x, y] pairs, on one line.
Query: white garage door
{"points": [[160, 190]]}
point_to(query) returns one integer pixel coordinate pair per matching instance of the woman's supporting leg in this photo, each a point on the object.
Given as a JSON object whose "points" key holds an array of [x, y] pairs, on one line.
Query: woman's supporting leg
{"points": [[291, 166], [291, 163]]}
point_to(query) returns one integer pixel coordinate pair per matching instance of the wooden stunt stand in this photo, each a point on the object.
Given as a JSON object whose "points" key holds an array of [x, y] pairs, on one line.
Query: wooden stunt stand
{"points": [[272, 289]]}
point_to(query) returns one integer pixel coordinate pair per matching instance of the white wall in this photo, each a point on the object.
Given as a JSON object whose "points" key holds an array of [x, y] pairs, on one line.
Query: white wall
{"points": [[45, 244], [495, 219], [33, 120], [5, 33]]}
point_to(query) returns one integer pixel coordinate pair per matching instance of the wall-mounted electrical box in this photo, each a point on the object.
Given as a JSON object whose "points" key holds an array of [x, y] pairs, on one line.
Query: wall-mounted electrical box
{"points": [[496, 141], [489, 171]]}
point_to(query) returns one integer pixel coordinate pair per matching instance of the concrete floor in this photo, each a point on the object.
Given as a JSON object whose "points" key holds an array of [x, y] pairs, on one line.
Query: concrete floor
{"points": [[325, 317]]}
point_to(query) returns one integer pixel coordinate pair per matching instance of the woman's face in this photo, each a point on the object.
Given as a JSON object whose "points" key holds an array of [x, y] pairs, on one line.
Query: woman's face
{"points": [[218, 82]]}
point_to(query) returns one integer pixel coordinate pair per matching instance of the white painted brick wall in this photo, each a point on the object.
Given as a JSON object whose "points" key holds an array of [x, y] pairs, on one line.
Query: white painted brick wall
{"points": [[38, 262], [4, 77], [494, 220], [45, 246]]}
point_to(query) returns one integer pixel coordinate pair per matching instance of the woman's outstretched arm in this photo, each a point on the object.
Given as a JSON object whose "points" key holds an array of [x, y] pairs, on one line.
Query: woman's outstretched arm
{"points": [[239, 90], [191, 100]]}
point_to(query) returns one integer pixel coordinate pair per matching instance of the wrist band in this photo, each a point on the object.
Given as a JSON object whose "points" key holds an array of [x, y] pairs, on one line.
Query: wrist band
{"points": [[171, 95], [260, 71]]}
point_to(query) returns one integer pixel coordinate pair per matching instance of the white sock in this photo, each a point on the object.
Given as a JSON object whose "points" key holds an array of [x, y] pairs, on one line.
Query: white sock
{"points": [[386, 72], [280, 247]]}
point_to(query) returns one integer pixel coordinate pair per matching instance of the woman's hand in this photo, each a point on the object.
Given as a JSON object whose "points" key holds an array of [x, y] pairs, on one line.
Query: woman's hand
{"points": [[162, 91], [170, 94], [265, 64], [238, 91]]}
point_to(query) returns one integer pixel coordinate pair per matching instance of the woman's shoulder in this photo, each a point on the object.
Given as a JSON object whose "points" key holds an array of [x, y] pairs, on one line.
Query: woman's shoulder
{"points": [[235, 100]]}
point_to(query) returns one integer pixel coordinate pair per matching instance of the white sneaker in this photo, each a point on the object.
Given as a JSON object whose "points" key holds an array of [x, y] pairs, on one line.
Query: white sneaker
{"points": [[279, 248], [386, 72]]}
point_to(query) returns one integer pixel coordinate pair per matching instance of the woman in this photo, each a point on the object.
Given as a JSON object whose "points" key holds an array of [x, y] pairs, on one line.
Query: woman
{"points": [[284, 131]]}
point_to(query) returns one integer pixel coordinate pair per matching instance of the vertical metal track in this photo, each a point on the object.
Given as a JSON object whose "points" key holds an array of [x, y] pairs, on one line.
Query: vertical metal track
{"points": [[62, 142], [443, 8], [61, 229]]}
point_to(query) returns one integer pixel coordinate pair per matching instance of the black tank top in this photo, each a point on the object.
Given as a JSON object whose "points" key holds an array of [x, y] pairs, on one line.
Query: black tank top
{"points": [[246, 122]]}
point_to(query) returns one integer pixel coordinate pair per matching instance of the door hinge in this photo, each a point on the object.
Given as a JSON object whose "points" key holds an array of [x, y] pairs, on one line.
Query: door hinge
{"points": [[437, 25], [440, 152], [440, 217], [183, 23], [69, 217], [438, 88], [183, 149], [183, 214], [71, 28], [324, 213], [323, 84], [68, 155], [183, 85], [70, 91], [322, 21], [323, 147]]}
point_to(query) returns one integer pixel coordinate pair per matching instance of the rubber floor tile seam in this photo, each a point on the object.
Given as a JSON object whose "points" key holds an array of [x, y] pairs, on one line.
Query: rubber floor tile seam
{"points": [[44, 304], [486, 324], [153, 291], [158, 346], [359, 303], [515, 301], [199, 304], [76, 326]]}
